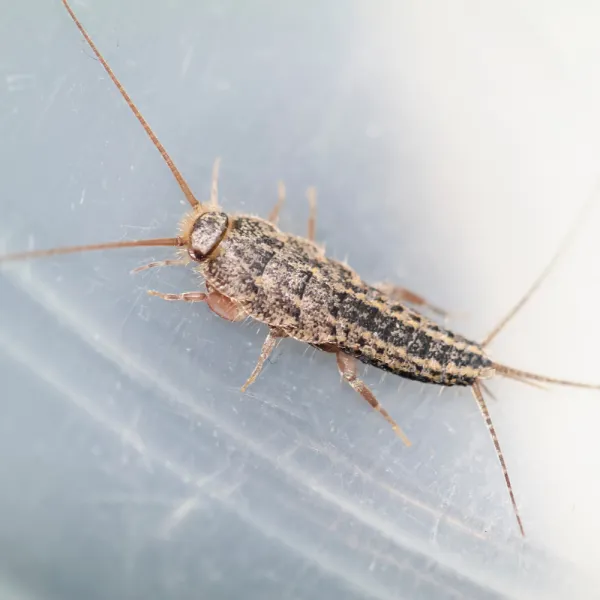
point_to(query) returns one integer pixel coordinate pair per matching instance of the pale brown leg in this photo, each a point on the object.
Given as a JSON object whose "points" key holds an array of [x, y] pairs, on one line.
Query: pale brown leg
{"points": [[488, 421], [311, 194], [224, 307], [162, 263], [400, 294], [214, 184], [347, 366], [221, 305], [185, 297], [274, 214], [268, 346]]}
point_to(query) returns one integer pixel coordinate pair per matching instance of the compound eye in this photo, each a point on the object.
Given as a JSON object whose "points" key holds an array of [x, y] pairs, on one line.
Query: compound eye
{"points": [[207, 233]]}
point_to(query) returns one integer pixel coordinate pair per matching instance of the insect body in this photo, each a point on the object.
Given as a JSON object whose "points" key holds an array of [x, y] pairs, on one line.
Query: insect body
{"points": [[286, 282], [252, 269]]}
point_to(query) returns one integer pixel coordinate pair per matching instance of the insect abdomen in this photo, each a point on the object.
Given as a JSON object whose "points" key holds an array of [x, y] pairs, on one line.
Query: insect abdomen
{"points": [[396, 339]]}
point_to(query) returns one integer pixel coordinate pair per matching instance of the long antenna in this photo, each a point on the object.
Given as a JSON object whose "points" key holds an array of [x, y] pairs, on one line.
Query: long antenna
{"points": [[178, 176], [106, 246], [566, 242]]}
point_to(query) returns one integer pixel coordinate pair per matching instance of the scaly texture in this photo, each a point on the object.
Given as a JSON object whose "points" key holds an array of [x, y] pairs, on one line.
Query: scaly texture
{"points": [[287, 283]]}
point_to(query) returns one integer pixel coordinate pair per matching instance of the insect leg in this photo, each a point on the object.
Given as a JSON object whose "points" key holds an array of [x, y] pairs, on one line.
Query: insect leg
{"points": [[268, 346], [221, 305], [311, 195], [185, 297], [274, 214], [401, 294], [347, 366], [224, 307], [476, 388], [162, 263]]}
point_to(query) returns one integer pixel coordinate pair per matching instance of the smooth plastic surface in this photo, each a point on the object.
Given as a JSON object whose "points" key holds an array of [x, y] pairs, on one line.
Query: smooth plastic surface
{"points": [[452, 146]]}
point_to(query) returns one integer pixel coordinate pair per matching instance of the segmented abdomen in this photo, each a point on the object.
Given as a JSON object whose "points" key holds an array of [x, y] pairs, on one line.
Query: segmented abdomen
{"points": [[394, 338], [286, 282]]}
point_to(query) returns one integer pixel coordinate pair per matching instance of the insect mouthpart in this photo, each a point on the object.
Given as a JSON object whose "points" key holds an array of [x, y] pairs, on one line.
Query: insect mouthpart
{"points": [[208, 232]]}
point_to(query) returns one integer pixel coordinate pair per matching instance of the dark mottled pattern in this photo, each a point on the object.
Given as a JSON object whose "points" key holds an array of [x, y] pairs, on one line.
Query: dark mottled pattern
{"points": [[207, 232], [287, 283]]}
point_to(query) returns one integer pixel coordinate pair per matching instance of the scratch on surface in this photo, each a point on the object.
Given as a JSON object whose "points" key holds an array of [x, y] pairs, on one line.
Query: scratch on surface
{"points": [[19, 354], [140, 372], [187, 60], [60, 81], [440, 517], [223, 495], [134, 305], [20, 81], [178, 515]]}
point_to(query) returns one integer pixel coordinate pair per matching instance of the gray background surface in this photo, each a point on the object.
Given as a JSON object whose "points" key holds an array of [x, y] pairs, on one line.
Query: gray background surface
{"points": [[451, 147]]}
